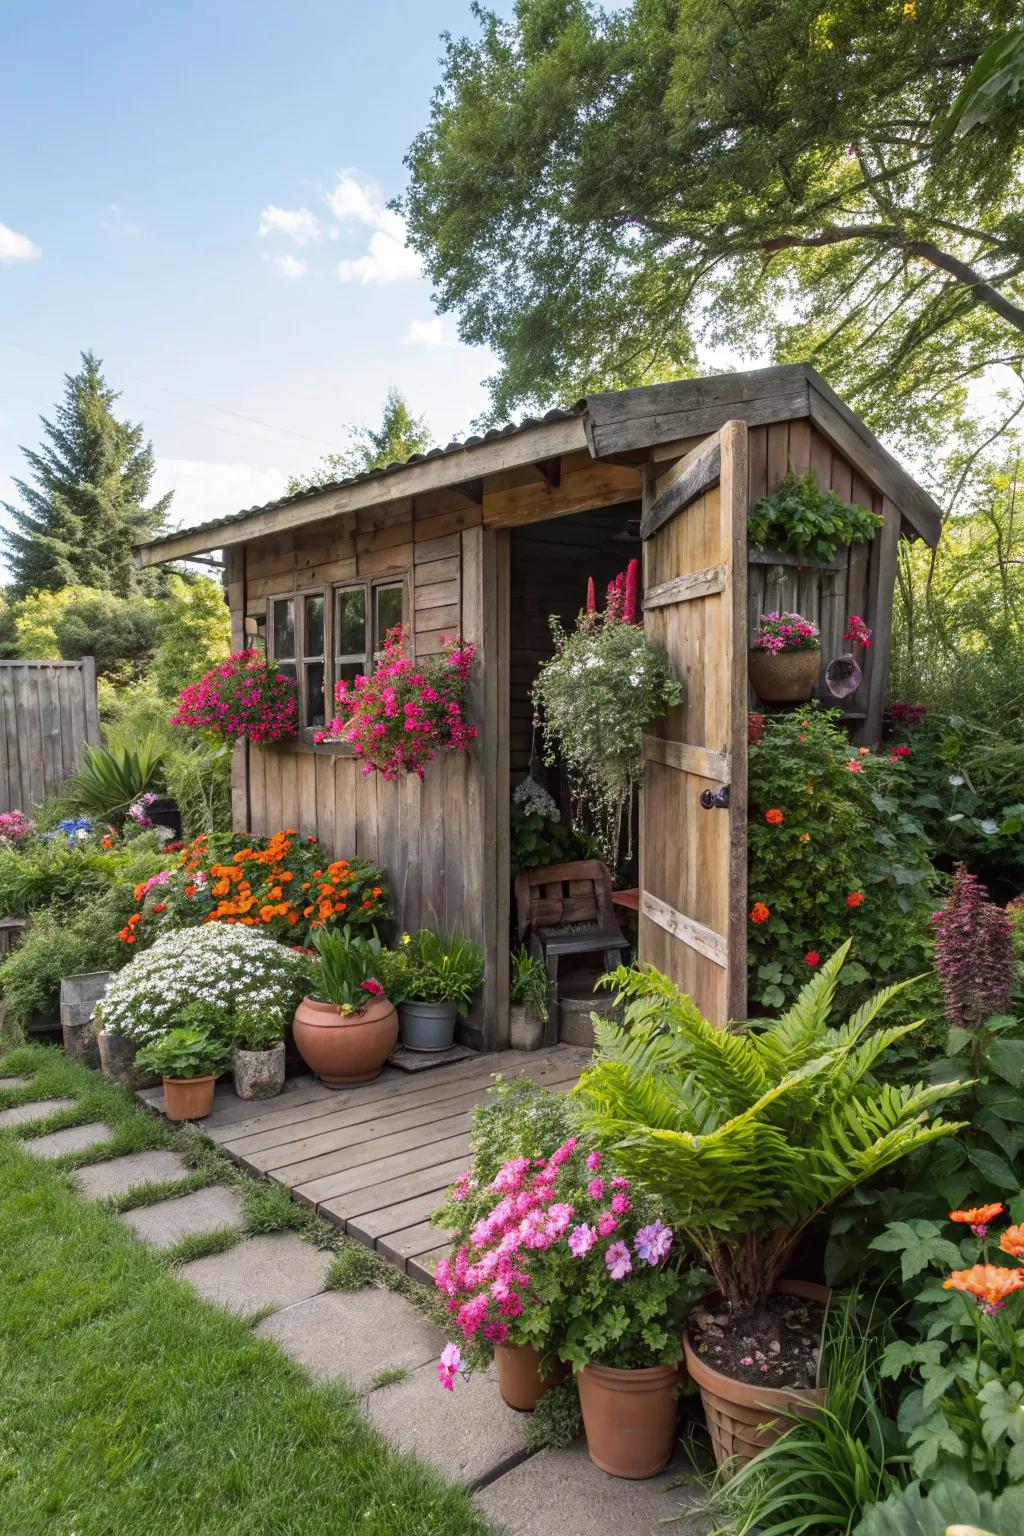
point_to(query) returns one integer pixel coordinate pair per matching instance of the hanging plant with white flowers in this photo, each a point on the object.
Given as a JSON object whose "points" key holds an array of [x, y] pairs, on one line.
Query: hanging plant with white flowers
{"points": [[600, 691]]}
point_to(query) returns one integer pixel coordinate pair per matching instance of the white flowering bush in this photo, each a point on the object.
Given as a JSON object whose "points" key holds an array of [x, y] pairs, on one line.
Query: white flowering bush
{"points": [[604, 685], [215, 964]]}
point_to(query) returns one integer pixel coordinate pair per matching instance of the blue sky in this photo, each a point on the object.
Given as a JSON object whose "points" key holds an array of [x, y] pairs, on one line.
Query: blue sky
{"points": [[196, 191]]}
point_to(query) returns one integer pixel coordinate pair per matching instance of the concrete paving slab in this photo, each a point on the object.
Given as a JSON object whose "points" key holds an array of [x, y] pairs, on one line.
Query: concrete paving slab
{"points": [[75, 1139], [354, 1334], [470, 1435], [206, 1210], [14, 1082], [557, 1492], [118, 1174], [276, 1270], [24, 1114]]}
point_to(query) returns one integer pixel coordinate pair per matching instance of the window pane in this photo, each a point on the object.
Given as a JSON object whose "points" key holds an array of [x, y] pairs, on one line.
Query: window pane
{"points": [[288, 669], [284, 627], [314, 693], [350, 622], [313, 612], [389, 613], [349, 670]]}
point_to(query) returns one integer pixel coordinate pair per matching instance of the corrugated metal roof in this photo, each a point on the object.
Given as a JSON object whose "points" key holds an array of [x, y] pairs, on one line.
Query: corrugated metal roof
{"points": [[455, 446]]}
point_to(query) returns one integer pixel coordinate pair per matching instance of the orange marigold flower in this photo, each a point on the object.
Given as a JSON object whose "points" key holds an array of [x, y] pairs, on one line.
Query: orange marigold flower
{"points": [[276, 893], [988, 1283], [864, 751], [293, 918], [774, 818], [805, 837], [267, 913], [307, 911], [979, 1215], [377, 891], [855, 899], [759, 913], [1012, 1242]]}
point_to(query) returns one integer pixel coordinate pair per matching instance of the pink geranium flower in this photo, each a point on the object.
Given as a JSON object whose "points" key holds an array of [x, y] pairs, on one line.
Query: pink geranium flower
{"points": [[618, 1261], [581, 1240]]}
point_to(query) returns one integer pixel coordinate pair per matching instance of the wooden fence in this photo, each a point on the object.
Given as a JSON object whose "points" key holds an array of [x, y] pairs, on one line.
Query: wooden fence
{"points": [[48, 712]]}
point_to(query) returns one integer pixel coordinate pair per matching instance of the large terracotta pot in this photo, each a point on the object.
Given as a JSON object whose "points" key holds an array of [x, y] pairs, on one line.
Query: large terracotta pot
{"points": [[788, 678], [117, 1058], [188, 1098], [519, 1379], [345, 1048], [742, 1417], [629, 1417]]}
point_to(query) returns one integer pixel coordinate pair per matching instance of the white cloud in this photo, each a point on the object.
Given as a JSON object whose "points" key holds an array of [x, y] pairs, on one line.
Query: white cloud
{"points": [[15, 247], [387, 259], [297, 223], [289, 266], [427, 333], [204, 489]]}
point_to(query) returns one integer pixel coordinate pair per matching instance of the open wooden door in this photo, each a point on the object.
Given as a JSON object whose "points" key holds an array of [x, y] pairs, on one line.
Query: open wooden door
{"points": [[693, 828]]}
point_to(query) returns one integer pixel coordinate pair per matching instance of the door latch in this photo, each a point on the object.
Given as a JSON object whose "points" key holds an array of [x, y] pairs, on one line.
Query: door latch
{"points": [[715, 799]]}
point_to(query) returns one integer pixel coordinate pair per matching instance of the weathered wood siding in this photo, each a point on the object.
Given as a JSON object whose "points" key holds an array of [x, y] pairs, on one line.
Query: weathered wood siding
{"points": [[47, 714]]}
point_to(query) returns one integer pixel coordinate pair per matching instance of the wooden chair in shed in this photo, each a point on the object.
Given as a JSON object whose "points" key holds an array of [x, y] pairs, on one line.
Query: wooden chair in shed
{"points": [[566, 909]]}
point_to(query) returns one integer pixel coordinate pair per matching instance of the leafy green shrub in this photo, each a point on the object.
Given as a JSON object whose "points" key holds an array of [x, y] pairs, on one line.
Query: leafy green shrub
{"points": [[110, 780], [802, 519], [199, 781], [528, 982], [49, 873], [556, 1421], [947, 1506], [833, 854], [432, 966], [185, 1052]]}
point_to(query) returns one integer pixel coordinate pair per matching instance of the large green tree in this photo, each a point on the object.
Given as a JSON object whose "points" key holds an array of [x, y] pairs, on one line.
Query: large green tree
{"points": [[605, 196], [399, 436], [84, 507]]}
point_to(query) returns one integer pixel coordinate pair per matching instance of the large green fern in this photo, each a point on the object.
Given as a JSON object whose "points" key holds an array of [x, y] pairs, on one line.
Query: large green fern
{"points": [[745, 1135]]}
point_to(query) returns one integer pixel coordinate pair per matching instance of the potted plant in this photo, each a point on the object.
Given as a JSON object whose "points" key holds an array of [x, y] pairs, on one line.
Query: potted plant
{"points": [[785, 658], [528, 1001], [432, 975], [346, 1028], [244, 696], [257, 1057], [189, 1059], [743, 1137]]}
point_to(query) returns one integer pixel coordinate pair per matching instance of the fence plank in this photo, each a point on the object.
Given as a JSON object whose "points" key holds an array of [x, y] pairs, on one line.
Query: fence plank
{"points": [[48, 711]]}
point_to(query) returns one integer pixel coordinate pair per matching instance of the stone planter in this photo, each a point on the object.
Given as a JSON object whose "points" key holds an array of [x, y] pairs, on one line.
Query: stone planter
{"points": [[788, 678], [629, 1417], [188, 1098], [519, 1379], [345, 1048], [525, 1028], [575, 1026], [742, 1417], [427, 1026], [258, 1074], [78, 997], [117, 1059]]}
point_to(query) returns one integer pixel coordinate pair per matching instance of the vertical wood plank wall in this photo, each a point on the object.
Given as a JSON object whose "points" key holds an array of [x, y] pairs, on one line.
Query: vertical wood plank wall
{"points": [[48, 713]]}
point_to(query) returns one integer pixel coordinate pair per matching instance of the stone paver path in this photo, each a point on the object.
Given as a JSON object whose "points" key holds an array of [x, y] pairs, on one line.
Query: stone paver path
{"points": [[272, 1271], [557, 1493], [119, 1174], [75, 1139], [355, 1335], [205, 1210], [24, 1114], [470, 1434]]}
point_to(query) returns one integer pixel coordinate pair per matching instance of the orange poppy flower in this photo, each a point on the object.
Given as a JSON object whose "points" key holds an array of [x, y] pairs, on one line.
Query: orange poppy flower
{"points": [[1012, 1242], [988, 1283], [773, 818], [979, 1216]]}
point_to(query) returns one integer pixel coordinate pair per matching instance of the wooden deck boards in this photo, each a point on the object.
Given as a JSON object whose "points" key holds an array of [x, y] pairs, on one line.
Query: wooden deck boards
{"points": [[375, 1159]]}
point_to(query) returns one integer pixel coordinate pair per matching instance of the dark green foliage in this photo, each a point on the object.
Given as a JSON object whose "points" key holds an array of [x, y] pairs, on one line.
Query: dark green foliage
{"points": [[556, 1421], [946, 1506], [185, 1052], [84, 511], [399, 436], [119, 632], [802, 519], [536, 840], [199, 781]]}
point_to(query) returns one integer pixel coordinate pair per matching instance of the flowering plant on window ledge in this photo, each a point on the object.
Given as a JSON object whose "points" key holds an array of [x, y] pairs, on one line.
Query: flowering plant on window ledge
{"points": [[242, 696], [407, 711]]}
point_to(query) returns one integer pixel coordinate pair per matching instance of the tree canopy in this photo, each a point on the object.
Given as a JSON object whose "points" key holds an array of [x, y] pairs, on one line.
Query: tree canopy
{"points": [[86, 507], [606, 196], [399, 436]]}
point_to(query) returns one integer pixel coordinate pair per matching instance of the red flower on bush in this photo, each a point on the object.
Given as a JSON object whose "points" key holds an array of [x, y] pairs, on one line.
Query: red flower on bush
{"points": [[759, 913], [774, 818], [855, 899], [755, 727], [243, 696], [812, 958]]}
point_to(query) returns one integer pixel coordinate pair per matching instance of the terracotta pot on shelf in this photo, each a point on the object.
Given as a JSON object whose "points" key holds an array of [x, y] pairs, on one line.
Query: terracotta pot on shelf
{"points": [[630, 1417], [787, 678], [345, 1048], [519, 1379], [742, 1417], [188, 1098]]}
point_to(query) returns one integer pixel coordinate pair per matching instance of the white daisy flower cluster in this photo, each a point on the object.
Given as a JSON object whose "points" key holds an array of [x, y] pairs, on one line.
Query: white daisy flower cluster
{"points": [[224, 966]]}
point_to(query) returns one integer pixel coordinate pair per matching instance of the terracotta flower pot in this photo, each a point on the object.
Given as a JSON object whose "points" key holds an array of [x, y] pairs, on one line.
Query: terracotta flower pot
{"points": [[788, 678], [259, 1074], [345, 1048], [117, 1058], [188, 1098], [743, 1417], [519, 1379], [629, 1417]]}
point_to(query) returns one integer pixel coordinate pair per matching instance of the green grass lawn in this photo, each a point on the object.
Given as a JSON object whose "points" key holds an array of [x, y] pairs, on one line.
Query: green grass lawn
{"points": [[129, 1406]]}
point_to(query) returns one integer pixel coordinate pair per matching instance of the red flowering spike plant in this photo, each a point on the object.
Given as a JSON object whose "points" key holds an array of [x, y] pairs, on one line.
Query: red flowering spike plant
{"points": [[242, 696], [400, 717], [973, 953]]}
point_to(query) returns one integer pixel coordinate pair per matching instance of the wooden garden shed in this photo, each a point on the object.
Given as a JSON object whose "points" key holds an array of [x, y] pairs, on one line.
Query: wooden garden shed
{"points": [[489, 536]]}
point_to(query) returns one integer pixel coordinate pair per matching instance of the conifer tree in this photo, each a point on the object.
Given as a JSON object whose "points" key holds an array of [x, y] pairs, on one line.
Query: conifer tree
{"points": [[399, 436], [84, 506]]}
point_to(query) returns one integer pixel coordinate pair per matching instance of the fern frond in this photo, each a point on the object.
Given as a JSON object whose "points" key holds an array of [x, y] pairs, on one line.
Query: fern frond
{"points": [[787, 1043]]}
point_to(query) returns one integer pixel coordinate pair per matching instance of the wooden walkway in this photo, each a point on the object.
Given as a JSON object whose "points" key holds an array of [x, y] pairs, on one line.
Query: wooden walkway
{"points": [[375, 1160]]}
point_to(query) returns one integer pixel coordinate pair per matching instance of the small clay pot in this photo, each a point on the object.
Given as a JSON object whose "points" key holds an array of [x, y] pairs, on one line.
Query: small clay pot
{"points": [[188, 1098], [519, 1379], [345, 1048], [259, 1074], [630, 1417], [117, 1058], [742, 1417], [788, 678], [525, 1028]]}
